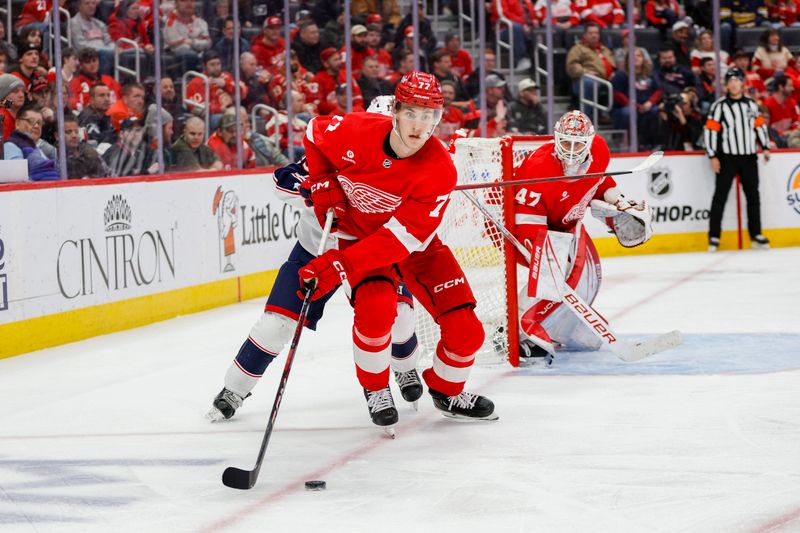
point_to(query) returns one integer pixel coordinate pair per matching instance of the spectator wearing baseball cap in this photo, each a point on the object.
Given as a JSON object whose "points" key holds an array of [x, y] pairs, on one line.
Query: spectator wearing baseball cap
{"points": [[223, 143], [527, 115], [679, 42], [128, 156], [427, 39], [268, 46], [358, 44], [12, 98]]}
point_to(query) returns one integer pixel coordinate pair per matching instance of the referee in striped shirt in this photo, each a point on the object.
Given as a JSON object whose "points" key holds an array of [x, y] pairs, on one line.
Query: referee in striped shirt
{"points": [[733, 127]]}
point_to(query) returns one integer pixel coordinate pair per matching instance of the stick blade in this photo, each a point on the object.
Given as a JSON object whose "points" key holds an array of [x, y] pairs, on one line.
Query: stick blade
{"points": [[236, 478], [636, 352], [651, 160]]}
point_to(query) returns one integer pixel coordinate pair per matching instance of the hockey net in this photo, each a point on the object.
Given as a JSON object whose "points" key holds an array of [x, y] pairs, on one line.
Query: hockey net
{"points": [[485, 256]]}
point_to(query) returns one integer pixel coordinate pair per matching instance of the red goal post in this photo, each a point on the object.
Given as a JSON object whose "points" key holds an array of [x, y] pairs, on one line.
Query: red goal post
{"points": [[487, 259]]}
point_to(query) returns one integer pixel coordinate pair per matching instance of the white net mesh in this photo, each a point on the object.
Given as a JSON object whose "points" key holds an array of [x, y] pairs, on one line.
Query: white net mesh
{"points": [[477, 246]]}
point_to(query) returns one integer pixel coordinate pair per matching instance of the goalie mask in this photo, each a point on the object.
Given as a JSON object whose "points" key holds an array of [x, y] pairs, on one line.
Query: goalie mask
{"points": [[418, 108], [574, 134]]}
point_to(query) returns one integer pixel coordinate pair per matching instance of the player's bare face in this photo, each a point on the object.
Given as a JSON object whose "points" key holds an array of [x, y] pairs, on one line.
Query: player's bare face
{"points": [[414, 126]]}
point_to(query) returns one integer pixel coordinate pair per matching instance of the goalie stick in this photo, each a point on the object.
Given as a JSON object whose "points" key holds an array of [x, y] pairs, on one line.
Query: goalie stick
{"points": [[236, 478], [598, 325], [651, 160]]}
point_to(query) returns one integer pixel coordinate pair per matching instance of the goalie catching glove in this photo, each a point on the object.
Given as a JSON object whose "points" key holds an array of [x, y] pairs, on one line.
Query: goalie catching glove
{"points": [[630, 220], [329, 270]]}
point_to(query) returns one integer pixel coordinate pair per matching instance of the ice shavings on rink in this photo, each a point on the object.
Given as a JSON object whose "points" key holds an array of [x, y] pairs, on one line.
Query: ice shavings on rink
{"points": [[108, 434]]}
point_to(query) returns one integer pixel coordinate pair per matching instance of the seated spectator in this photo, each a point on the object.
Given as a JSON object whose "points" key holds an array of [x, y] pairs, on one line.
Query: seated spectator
{"points": [[707, 84], [127, 22], [255, 78], [427, 39], [340, 107], [6, 48], [782, 13], [496, 108], [131, 105], [604, 13], [12, 98], [671, 77], [28, 69], [452, 116], [522, 17], [369, 82], [87, 31], [301, 80], [403, 65], [441, 67], [34, 13], [783, 107], [328, 78], [648, 96], [473, 80], [266, 151], [224, 46], [83, 161], [221, 87], [189, 152], [88, 76], [589, 56], [679, 43], [170, 102], [776, 140], [69, 67], [21, 144], [186, 35], [308, 47], [223, 143], [31, 37], [754, 86], [742, 14], [704, 47], [299, 125], [360, 50], [389, 10], [268, 47], [772, 56], [95, 121], [680, 121], [621, 53], [129, 156], [460, 60], [662, 14], [564, 13], [407, 45], [41, 97], [380, 52], [527, 115], [151, 138], [333, 31]]}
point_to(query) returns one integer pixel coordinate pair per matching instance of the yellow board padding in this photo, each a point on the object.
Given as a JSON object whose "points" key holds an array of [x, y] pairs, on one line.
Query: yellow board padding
{"points": [[52, 330], [695, 242]]}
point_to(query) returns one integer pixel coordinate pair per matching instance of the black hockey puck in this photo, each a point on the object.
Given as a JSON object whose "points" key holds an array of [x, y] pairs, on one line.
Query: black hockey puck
{"points": [[315, 485]]}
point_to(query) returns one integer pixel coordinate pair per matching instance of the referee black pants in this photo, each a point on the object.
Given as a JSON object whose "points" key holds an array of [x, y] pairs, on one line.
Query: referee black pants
{"points": [[746, 167]]}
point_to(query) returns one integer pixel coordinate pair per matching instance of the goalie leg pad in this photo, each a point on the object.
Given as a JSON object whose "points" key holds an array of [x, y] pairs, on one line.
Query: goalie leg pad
{"points": [[462, 336], [375, 306]]}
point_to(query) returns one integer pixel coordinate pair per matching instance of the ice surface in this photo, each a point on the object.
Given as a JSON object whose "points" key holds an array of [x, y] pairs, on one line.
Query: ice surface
{"points": [[108, 434]]}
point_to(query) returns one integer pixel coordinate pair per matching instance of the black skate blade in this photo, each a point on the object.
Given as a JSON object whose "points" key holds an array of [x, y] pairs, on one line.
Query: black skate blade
{"points": [[489, 418], [236, 478]]}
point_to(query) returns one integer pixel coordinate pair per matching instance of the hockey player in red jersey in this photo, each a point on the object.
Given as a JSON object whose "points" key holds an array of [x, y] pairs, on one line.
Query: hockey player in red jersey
{"points": [[557, 208], [389, 183]]}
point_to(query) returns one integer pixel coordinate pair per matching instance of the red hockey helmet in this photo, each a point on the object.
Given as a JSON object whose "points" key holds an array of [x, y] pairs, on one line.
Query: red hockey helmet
{"points": [[419, 89]]}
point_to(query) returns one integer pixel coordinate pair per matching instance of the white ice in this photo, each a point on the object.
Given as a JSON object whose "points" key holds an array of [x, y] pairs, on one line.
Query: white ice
{"points": [[108, 435]]}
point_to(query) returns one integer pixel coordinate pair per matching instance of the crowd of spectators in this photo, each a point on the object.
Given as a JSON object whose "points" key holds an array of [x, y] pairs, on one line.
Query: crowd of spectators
{"points": [[111, 120]]}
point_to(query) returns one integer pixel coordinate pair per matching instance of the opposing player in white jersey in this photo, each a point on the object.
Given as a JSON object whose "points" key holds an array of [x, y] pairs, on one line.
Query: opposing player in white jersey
{"points": [[274, 328], [556, 209]]}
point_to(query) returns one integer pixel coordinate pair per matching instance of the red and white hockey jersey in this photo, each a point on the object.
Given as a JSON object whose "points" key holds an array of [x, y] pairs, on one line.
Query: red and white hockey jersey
{"points": [[557, 205], [394, 205], [603, 12]]}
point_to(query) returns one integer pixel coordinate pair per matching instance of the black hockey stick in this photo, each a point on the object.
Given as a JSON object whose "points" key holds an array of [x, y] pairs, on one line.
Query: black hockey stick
{"points": [[236, 478], [651, 160]]}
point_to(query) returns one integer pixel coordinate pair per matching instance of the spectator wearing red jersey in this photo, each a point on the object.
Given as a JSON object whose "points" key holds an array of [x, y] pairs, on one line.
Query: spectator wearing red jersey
{"points": [[186, 35], [772, 56], [34, 13], [754, 86], [127, 23], [782, 13], [604, 13], [221, 86], [784, 115], [563, 13], [268, 47], [452, 116], [662, 14], [131, 105], [360, 50], [69, 67], [328, 78], [704, 47], [28, 69], [341, 100], [223, 143], [301, 81], [441, 67], [381, 54], [12, 98], [460, 60], [88, 75], [522, 17]]}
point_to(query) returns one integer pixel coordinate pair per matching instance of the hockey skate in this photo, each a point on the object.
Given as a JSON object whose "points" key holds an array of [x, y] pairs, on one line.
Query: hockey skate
{"points": [[225, 405], [759, 242], [531, 354], [381, 409], [713, 244], [465, 406], [410, 386]]}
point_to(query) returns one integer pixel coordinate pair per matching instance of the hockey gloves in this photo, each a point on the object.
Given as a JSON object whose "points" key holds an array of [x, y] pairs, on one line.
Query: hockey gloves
{"points": [[324, 273], [631, 221], [325, 194]]}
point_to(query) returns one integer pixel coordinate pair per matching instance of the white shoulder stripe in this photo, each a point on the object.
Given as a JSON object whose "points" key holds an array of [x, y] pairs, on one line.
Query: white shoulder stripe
{"points": [[310, 130], [409, 242]]}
